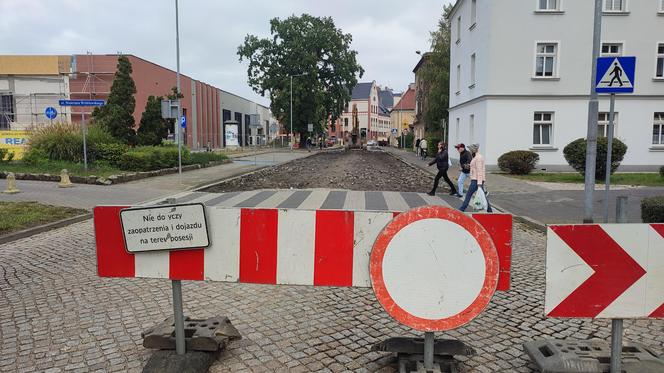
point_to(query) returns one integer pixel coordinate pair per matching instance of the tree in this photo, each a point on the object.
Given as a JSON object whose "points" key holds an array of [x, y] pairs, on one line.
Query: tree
{"points": [[307, 45], [436, 74], [117, 115], [153, 128]]}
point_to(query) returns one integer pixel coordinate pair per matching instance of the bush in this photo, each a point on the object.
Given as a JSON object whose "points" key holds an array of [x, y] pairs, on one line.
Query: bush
{"points": [[432, 146], [34, 156], [652, 209], [5, 153], [149, 158], [111, 154], [206, 157], [518, 162], [575, 154], [64, 141], [661, 171]]}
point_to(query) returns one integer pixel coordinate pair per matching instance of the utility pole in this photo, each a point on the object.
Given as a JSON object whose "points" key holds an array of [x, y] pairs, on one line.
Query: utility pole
{"points": [[178, 125], [291, 112], [593, 109]]}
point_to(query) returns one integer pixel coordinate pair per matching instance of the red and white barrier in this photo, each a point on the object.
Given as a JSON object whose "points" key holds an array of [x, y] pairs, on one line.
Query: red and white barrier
{"points": [[273, 246]]}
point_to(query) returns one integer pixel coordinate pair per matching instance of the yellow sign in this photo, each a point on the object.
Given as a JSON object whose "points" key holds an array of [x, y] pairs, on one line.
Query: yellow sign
{"points": [[15, 141]]}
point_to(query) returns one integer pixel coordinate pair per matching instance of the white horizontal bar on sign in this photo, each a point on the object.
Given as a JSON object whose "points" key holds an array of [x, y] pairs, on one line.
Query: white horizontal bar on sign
{"points": [[222, 258], [296, 238], [368, 226]]}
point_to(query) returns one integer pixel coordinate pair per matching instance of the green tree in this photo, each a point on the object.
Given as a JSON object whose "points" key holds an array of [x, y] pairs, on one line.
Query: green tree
{"points": [[307, 45], [153, 128], [117, 114], [436, 75]]}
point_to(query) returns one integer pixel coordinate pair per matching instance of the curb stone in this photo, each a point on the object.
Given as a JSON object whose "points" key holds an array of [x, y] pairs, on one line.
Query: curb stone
{"points": [[43, 228]]}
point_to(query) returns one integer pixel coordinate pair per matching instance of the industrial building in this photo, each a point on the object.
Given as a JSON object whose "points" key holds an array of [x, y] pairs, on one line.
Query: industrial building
{"points": [[30, 84]]}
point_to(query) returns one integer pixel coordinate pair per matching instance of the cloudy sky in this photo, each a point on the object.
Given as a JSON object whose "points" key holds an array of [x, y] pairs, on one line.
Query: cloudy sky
{"points": [[386, 33]]}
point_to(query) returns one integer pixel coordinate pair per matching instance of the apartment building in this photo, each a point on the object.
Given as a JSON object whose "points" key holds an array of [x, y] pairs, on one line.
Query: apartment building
{"points": [[520, 75]]}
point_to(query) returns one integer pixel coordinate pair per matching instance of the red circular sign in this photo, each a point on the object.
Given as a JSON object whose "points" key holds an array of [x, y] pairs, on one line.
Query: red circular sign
{"points": [[433, 268]]}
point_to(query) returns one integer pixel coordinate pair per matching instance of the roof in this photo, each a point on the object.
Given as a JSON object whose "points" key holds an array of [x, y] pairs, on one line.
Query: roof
{"points": [[386, 98], [407, 102], [361, 91], [425, 57]]}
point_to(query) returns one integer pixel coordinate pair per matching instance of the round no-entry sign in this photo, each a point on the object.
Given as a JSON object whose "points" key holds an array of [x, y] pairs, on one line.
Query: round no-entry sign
{"points": [[434, 268]]}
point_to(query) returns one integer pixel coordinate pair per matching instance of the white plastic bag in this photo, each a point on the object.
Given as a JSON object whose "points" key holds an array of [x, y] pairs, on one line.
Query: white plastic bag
{"points": [[479, 200]]}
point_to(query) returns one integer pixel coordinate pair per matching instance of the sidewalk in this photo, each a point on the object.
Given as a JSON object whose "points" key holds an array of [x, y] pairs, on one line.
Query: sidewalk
{"points": [[540, 204], [88, 196]]}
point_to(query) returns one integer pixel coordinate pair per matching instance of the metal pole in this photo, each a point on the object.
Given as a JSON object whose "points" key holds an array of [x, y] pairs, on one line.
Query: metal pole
{"points": [[609, 150], [177, 82], [617, 324], [291, 112], [428, 351], [178, 316], [85, 143], [593, 104]]}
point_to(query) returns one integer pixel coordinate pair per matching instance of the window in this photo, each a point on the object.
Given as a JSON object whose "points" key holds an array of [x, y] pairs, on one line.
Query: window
{"points": [[661, 6], [615, 5], [473, 13], [542, 128], [456, 137], [612, 49], [550, 5], [458, 30], [345, 122], [658, 129], [659, 73], [603, 124], [471, 128], [545, 60], [458, 80], [6, 111], [472, 70]]}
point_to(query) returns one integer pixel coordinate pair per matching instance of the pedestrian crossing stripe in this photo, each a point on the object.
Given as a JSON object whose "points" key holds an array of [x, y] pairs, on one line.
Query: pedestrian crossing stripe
{"points": [[615, 74]]}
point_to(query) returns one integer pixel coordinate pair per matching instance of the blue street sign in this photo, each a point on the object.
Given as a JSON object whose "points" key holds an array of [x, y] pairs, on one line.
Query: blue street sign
{"points": [[82, 103], [183, 121], [50, 112], [394, 131], [615, 74]]}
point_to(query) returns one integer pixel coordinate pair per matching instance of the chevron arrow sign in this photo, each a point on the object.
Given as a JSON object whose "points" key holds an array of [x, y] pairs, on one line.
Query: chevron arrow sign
{"points": [[605, 271]]}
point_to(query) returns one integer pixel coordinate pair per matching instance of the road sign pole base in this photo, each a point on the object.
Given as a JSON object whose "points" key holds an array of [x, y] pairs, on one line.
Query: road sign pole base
{"points": [[410, 353]]}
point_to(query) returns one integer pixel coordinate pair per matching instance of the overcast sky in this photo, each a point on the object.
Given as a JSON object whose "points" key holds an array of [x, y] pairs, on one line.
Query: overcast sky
{"points": [[386, 33]]}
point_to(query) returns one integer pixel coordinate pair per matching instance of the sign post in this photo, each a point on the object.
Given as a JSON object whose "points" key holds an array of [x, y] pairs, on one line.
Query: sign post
{"points": [[614, 75], [83, 103], [172, 227], [433, 269]]}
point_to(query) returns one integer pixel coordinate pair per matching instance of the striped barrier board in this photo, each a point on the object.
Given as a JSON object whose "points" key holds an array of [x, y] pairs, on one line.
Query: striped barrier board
{"points": [[316, 247]]}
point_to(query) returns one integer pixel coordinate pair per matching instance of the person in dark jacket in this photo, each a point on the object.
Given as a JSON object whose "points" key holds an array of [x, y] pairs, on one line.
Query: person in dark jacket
{"points": [[464, 162], [417, 147], [442, 161]]}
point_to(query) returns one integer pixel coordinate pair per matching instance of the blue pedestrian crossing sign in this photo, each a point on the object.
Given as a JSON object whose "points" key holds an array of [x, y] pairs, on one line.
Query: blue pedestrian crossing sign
{"points": [[615, 74], [183, 121], [50, 112]]}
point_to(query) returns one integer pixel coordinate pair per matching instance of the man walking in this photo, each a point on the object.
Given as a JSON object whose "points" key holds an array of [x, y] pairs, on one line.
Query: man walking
{"points": [[417, 147], [477, 177], [442, 162], [464, 167]]}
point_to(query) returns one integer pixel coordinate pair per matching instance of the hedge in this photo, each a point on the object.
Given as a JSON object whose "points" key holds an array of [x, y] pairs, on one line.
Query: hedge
{"points": [[575, 154], [661, 171], [652, 209], [150, 158], [518, 162]]}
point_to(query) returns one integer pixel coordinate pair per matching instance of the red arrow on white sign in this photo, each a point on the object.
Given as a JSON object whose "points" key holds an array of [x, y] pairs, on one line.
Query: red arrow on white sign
{"points": [[605, 271]]}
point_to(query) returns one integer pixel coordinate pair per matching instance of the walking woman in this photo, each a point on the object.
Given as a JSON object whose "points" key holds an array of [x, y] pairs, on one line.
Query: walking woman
{"points": [[442, 161], [477, 177]]}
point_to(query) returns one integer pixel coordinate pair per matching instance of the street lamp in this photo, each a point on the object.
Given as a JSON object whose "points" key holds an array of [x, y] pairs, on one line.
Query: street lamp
{"points": [[291, 107]]}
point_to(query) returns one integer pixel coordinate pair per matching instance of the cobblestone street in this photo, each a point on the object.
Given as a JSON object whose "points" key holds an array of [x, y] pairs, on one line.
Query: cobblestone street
{"points": [[57, 315]]}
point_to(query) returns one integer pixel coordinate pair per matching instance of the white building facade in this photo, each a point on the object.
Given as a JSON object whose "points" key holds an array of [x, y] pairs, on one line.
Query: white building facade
{"points": [[520, 77]]}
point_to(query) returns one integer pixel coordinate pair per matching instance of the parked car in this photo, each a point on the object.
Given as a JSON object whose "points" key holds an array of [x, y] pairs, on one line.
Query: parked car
{"points": [[372, 145], [331, 141]]}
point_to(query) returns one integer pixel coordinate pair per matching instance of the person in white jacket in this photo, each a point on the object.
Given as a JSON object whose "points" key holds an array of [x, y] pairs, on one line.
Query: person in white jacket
{"points": [[477, 177], [423, 148]]}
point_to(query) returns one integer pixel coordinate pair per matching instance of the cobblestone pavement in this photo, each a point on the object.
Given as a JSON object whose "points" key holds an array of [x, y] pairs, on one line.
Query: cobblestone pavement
{"points": [[56, 315]]}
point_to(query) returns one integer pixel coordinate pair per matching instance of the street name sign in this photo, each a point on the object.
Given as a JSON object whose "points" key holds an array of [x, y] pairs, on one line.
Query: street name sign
{"points": [[173, 227], [613, 271], [50, 112], [82, 102], [615, 74], [434, 268]]}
